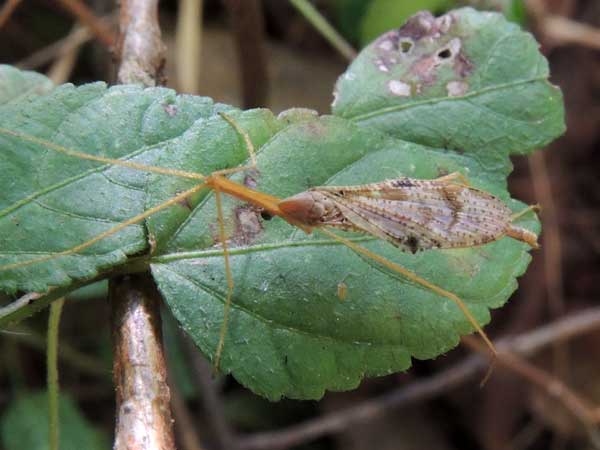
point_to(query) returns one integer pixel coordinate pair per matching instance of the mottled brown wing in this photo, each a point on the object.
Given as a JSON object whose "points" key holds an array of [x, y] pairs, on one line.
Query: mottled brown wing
{"points": [[422, 214]]}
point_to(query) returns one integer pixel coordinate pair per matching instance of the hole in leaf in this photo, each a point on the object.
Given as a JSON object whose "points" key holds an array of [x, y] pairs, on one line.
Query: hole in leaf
{"points": [[265, 215], [445, 54], [405, 46]]}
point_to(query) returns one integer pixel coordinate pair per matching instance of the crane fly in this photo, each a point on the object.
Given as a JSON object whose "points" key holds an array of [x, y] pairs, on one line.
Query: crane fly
{"points": [[411, 214]]}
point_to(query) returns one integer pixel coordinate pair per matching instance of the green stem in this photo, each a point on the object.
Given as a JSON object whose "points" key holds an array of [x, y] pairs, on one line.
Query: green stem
{"points": [[325, 28], [52, 368]]}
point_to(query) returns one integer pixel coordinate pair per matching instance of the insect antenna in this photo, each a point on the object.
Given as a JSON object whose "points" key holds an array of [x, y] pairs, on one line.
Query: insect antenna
{"points": [[109, 161]]}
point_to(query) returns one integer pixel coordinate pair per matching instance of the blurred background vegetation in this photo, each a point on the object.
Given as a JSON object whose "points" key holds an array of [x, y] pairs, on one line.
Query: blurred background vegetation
{"points": [[251, 53]]}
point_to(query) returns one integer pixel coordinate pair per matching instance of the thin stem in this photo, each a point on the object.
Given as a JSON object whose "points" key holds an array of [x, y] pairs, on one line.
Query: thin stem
{"points": [[143, 418], [7, 10], [317, 20], [67, 354], [52, 372], [525, 344], [552, 252], [85, 16], [246, 19], [188, 45]]}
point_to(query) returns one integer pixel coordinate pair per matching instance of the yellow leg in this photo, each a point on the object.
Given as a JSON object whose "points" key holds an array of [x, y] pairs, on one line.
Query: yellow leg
{"points": [[417, 279], [535, 208], [244, 135], [135, 219], [223, 236], [454, 176], [227, 308]]}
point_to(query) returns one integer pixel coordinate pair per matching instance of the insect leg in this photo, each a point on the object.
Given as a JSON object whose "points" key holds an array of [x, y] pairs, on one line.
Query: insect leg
{"points": [[535, 208], [454, 176], [247, 141], [132, 221], [230, 285], [417, 279], [520, 233]]}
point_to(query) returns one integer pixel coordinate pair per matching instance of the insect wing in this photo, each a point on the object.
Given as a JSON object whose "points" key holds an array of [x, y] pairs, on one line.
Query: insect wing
{"points": [[416, 215]]}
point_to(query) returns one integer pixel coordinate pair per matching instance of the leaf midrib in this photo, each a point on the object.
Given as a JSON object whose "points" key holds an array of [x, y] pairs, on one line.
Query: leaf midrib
{"points": [[433, 101]]}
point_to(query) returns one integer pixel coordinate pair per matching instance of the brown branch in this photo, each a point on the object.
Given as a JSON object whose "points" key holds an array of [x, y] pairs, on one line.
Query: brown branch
{"points": [[525, 344], [184, 422], [86, 17], [63, 66], [78, 36], [144, 418], [565, 31], [559, 30], [213, 406], [7, 10], [142, 51], [143, 400], [551, 385], [188, 45], [552, 253], [75, 39], [248, 25]]}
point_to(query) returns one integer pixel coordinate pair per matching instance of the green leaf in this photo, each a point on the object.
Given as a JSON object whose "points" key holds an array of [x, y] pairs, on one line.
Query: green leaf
{"points": [[16, 84], [383, 15], [466, 81], [24, 425], [289, 334]]}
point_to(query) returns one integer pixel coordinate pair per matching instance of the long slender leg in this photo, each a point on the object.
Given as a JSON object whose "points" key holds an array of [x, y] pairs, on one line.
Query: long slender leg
{"points": [[229, 277], [116, 162], [223, 237], [536, 208], [521, 233], [135, 219], [131, 165], [417, 279], [244, 135], [454, 176]]}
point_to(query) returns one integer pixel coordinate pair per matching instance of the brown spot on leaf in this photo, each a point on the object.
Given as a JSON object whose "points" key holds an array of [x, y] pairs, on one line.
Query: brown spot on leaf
{"points": [[248, 225], [315, 128], [186, 203], [170, 109], [251, 179], [418, 26], [463, 66]]}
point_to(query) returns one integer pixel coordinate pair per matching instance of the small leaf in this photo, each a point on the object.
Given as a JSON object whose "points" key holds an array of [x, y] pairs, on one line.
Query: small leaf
{"points": [[24, 425], [466, 81]]}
